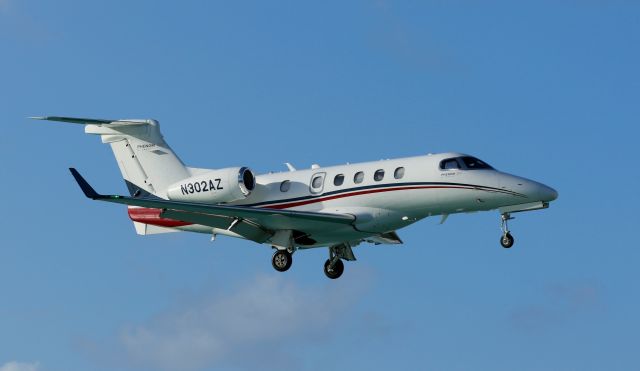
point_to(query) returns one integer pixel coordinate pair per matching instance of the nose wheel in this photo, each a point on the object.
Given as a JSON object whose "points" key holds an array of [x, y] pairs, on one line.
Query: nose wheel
{"points": [[507, 239], [281, 260]]}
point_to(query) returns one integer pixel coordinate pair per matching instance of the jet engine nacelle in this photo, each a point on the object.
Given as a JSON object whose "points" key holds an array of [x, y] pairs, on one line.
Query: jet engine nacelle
{"points": [[224, 185]]}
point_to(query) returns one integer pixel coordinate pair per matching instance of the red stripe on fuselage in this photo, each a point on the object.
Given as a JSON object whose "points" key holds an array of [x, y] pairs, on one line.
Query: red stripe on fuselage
{"points": [[358, 193], [152, 216]]}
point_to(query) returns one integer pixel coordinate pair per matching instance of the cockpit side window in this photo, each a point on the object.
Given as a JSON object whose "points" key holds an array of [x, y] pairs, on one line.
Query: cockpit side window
{"points": [[449, 164], [472, 163]]}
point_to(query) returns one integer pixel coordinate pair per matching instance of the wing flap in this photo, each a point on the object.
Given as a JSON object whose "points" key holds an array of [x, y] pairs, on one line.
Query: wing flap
{"points": [[246, 229]]}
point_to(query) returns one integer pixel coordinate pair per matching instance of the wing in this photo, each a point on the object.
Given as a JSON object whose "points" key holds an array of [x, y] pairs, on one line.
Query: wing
{"points": [[253, 219]]}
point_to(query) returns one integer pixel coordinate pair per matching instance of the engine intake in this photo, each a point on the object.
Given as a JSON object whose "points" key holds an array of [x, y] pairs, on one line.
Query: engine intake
{"points": [[223, 185]]}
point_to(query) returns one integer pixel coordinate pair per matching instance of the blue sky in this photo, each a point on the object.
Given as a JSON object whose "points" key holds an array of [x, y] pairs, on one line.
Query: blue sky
{"points": [[548, 90]]}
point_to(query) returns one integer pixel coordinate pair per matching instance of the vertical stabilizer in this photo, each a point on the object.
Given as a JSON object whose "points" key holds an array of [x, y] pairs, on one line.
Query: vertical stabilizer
{"points": [[147, 163]]}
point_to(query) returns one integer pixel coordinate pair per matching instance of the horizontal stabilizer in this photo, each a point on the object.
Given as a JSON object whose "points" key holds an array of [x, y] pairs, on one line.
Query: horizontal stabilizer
{"points": [[86, 121]]}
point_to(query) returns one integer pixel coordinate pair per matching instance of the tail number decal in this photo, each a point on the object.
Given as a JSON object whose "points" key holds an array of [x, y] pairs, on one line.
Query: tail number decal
{"points": [[203, 186]]}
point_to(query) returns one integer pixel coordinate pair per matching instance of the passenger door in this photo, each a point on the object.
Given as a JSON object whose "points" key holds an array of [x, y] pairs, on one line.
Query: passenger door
{"points": [[316, 185]]}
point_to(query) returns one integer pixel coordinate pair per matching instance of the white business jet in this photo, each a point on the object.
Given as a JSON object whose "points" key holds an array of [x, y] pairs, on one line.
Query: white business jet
{"points": [[337, 207]]}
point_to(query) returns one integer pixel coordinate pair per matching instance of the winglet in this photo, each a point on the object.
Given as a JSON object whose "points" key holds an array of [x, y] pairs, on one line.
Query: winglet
{"points": [[86, 188]]}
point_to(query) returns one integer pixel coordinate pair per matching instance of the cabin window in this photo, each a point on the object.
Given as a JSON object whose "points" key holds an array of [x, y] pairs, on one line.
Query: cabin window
{"points": [[378, 175], [451, 163], [359, 177], [338, 180], [285, 185], [399, 173]]}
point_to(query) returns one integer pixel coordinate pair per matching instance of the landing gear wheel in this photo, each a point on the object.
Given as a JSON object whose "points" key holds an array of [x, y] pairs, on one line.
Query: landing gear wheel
{"points": [[281, 260], [507, 240], [334, 272]]}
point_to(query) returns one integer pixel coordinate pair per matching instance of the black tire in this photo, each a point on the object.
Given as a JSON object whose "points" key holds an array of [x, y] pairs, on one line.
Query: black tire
{"points": [[507, 240], [337, 270], [281, 260]]}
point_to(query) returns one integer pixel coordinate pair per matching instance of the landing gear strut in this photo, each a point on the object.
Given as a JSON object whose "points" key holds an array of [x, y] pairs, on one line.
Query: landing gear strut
{"points": [[507, 239], [281, 260]]}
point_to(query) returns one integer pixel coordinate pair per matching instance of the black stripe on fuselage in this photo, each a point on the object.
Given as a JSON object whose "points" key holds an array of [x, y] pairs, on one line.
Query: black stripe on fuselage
{"points": [[388, 185]]}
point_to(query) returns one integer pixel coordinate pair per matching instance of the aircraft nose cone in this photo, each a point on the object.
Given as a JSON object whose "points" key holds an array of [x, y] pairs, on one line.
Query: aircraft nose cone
{"points": [[534, 191], [548, 194], [541, 192]]}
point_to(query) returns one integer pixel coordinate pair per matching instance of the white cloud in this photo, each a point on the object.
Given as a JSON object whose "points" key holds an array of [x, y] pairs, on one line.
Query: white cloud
{"points": [[245, 326], [20, 366]]}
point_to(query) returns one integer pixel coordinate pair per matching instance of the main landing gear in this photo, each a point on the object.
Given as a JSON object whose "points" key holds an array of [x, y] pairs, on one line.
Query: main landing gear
{"points": [[333, 267], [281, 260], [507, 239]]}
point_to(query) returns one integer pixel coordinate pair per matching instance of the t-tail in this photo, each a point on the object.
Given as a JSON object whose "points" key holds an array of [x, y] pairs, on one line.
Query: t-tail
{"points": [[147, 163]]}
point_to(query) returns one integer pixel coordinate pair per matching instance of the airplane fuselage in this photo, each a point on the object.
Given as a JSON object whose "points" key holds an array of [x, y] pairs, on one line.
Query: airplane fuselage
{"points": [[388, 195]]}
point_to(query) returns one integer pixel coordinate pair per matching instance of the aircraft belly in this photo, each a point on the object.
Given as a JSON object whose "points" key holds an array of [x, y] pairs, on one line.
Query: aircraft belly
{"points": [[320, 237], [195, 228], [335, 237]]}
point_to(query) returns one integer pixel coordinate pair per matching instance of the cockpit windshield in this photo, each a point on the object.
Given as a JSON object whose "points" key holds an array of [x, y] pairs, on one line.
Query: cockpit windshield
{"points": [[451, 163], [472, 163], [464, 163]]}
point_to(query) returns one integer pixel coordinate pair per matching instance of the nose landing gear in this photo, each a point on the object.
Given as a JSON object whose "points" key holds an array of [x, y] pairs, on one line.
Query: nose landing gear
{"points": [[507, 239]]}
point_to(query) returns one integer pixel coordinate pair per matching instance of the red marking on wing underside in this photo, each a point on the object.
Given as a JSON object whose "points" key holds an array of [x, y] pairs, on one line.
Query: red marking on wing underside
{"points": [[152, 216]]}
